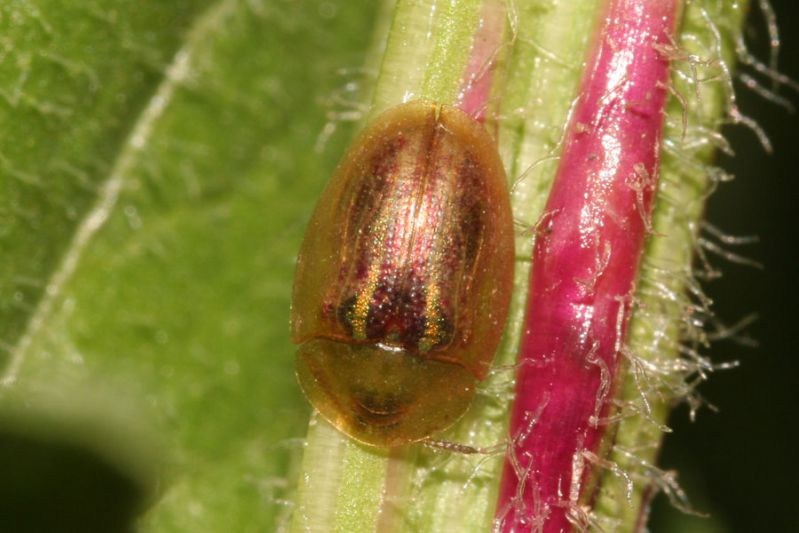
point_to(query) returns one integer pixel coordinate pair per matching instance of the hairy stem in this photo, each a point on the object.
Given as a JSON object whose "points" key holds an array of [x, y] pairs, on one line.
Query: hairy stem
{"points": [[666, 332], [433, 51], [588, 246]]}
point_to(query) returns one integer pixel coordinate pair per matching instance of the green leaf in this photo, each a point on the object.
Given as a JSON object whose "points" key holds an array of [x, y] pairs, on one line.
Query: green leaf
{"points": [[158, 169]]}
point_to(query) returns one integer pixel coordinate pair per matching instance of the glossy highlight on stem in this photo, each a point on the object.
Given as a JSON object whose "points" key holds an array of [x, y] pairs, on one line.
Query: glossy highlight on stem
{"points": [[587, 250]]}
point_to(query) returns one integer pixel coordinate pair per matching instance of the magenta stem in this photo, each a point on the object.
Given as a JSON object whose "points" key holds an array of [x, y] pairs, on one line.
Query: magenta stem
{"points": [[588, 246], [478, 76]]}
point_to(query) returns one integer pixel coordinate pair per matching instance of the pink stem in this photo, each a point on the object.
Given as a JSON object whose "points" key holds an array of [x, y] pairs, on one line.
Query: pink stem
{"points": [[587, 250], [479, 74]]}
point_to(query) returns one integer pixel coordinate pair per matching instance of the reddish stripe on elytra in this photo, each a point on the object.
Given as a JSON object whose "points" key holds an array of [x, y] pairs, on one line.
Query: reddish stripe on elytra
{"points": [[586, 256]]}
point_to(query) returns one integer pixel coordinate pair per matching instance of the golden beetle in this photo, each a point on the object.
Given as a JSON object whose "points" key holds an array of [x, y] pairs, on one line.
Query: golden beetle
{"points": [[404, 277]]}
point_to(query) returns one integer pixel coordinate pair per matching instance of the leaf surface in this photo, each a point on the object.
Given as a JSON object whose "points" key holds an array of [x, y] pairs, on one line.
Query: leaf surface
{"points": [[159, 168]]}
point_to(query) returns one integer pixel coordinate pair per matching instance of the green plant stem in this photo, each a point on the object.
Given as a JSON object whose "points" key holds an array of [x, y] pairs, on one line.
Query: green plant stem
{"points": [[428, 490], [348, 487]]}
